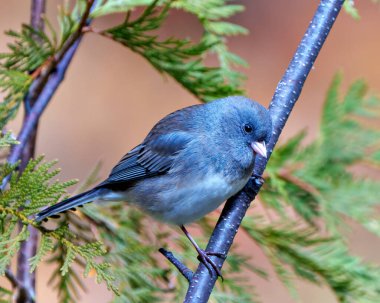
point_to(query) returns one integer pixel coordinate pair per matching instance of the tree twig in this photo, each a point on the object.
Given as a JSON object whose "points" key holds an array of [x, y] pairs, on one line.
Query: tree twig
{"points": [[286, 95], [40, 93], [37, 11], [44, 87], [11, 277], [43, 73], [22, 294], [186, 272]]}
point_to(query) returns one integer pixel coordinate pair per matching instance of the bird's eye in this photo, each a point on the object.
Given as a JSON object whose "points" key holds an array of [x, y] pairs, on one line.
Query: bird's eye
{"points": [[248, 128]]}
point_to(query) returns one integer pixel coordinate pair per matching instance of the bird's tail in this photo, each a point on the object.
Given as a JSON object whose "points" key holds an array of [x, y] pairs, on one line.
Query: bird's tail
{"points": [[70, 203]]}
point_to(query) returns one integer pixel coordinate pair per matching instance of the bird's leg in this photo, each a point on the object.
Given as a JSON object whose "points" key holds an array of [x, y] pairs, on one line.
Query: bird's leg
{"points": [[204, 256]]}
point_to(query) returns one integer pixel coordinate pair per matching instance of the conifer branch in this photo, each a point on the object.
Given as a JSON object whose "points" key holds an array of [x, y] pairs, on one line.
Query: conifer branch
{"points": [[43, 73], [286, 95], [43, 88], [300, 183], [28, 248]]}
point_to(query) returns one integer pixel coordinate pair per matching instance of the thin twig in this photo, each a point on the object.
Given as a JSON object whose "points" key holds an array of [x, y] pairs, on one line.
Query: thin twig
{"points": [[43, 73], [12, 279], [186, 272], [22, 294], [37, 11], [286, 95], [49, 79]]}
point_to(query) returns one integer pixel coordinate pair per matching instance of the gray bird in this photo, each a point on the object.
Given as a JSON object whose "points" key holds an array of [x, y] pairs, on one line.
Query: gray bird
{"points": [[190, 162]]}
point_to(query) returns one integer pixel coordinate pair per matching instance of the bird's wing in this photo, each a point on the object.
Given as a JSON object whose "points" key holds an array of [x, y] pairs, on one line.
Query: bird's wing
{"points": [[152, 157]]}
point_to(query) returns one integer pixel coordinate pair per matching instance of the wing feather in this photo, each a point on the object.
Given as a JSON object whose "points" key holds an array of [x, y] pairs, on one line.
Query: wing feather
{"points": [[158, 151], [153, 157]]}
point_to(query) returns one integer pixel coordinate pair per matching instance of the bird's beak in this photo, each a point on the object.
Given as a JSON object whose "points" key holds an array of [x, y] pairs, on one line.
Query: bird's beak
{"points": [[260, 148]]}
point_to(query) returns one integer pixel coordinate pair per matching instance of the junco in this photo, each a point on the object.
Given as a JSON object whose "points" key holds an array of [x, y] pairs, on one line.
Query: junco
{"points": [[190, 162]]}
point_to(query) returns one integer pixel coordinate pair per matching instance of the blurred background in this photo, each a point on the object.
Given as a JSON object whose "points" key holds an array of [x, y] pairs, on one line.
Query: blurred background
{"points": [[112, 97]]}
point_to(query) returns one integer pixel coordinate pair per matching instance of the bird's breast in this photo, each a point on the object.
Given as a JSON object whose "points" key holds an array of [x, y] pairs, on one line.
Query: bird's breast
{"points": [[185, 203]]}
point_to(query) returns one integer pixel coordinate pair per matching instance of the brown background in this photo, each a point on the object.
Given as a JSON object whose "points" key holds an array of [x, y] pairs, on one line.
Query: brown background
{"points": [[112, 97]]}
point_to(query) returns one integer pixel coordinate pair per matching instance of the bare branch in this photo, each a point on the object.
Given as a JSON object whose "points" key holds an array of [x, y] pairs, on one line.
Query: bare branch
{"points": [[187, 273], [28, 248], [22, 294], [286, 95], [37, 11], [12, 279]]}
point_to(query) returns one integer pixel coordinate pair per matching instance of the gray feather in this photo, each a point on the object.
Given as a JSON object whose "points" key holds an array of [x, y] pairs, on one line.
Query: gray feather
{"points": [[68, 204], [153, 157]]}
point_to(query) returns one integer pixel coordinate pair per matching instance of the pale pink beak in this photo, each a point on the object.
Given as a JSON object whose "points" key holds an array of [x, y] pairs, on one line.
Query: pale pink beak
{"points": [[260, 148]]}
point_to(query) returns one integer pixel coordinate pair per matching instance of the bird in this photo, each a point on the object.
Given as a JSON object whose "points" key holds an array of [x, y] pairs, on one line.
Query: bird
{"points": [[190, 162]]}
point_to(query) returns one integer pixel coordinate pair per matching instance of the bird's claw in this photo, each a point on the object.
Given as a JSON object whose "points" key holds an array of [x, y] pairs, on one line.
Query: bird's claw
{"points": [[204, 257], [258, 179]]}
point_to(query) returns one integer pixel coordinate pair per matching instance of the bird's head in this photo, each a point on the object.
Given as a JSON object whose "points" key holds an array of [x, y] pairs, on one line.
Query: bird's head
{"points": [[242, 123]]}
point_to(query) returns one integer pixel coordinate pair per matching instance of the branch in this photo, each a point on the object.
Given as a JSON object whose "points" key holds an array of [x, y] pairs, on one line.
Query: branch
{"points": [[283, 101], [22, 294], [28, 248], [43, 100], [43, 88], [187, 273], [11, 277], [37, 11], [43, 73]]}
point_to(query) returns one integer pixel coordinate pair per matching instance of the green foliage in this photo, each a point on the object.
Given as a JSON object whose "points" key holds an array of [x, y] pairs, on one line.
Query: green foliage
{"points": [[29, 51], [314, 183], [32, 190], [318, 260], [70, 284], [7, 139], [9, 245], [33, 50], [45, 247], [5, 295], [133, 248], [349, 7], [106, 7], [237, 267], [29, 192], [211, 14], [136, 264], [346, 140], [317, 181], [181, 58]]}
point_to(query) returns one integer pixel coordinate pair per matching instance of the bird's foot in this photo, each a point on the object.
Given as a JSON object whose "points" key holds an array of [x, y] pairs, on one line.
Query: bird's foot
{"points": [[204, 257]]}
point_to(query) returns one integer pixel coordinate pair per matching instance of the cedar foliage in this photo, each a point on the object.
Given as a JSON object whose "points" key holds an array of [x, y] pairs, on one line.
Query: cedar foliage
{"points": [[119, 245]]}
